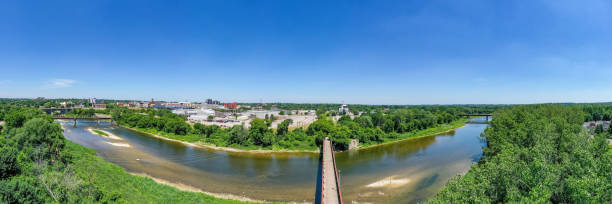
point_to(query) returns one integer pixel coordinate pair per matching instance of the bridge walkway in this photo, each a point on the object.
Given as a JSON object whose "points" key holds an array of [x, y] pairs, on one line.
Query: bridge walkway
{"points": [[330, 186]]}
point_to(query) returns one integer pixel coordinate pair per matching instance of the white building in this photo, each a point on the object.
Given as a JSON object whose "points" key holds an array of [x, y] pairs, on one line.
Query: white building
{"points": [[343, 109]]}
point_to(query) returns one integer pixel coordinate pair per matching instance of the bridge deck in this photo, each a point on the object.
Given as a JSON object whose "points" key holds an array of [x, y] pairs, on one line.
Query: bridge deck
{"points": [[330, 186]]}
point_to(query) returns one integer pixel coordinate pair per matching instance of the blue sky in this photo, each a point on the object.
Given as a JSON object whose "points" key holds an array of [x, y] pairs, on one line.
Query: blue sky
{"points": [[367, 52]]}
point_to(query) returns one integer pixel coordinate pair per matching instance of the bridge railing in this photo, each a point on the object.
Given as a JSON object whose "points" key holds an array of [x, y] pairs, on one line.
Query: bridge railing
{"points": [[336, 171]]}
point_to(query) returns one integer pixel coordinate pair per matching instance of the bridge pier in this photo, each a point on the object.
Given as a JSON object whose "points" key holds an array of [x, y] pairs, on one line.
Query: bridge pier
{"points": [[98, 123], [75, 121]]}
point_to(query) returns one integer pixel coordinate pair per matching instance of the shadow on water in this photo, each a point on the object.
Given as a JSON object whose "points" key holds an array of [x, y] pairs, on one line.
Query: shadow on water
{"points": [[319, 178]]}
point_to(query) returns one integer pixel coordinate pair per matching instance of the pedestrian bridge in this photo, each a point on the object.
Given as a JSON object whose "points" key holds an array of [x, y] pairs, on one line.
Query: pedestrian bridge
{"points": [[329, 192]]}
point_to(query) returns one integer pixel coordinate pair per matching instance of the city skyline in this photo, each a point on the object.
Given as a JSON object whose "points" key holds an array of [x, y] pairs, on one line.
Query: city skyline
{"points": [[306, 52]]}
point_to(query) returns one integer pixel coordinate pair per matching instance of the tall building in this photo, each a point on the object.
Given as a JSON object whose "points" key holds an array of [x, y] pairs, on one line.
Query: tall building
{"points": [[209, 101], [93, 100]]}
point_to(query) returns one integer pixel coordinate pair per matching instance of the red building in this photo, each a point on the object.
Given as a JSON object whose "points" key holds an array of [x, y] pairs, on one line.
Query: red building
{"points": [[233, 105]]}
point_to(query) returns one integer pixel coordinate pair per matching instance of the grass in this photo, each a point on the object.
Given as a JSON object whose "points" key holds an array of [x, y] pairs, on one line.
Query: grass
{"points": [[100, 132], [115, 182]]}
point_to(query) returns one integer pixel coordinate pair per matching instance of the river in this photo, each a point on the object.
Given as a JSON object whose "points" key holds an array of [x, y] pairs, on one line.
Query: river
{"points": [[403, 172]]}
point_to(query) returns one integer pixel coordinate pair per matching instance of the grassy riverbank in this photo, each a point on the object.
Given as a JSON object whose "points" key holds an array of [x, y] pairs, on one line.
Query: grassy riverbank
{"points": [[440, 129], [112, 180], [197, 140]]}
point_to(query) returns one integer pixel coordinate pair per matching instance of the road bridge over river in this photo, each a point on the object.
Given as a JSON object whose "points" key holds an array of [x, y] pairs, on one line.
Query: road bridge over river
{"points": [[330, 184]]}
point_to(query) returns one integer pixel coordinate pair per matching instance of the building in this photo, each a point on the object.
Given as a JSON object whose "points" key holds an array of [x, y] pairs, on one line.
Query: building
{"points": [[99, 106], [209, 101], [93, 100], [343, 109], [232, 106], [67, 104]]}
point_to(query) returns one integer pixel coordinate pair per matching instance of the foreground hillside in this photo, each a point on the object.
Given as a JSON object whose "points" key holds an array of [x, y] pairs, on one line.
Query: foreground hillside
{"points": [[537, 154]]}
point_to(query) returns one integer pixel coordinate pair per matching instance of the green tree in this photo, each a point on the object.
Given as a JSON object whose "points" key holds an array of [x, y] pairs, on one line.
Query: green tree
{"points": [[237, 135], [599, 129], [44, 135], [257, 130], [8, 162], [15, 119], [283, 127]]}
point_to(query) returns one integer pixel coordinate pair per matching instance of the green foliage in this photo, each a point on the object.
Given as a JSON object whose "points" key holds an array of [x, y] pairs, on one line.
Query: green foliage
{"points": [[15, 119], [8, 162], [599, 129], [43, 135], [257, 131], [536, 154], [283, 127]]}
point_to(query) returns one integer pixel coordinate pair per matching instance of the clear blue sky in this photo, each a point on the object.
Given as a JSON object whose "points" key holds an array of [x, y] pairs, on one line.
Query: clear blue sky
{"points": [[369, 52]]}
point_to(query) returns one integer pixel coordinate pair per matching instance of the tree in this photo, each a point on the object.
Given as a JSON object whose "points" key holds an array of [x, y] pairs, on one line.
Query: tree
{"points": [[364, 121], [237, 135], [199, 128], [283, 127], [177, 127], [388, 125], [281, 112], [15, 119], [599, 129], [8, 162], [44, 135], [210, 117], [257, 130]]}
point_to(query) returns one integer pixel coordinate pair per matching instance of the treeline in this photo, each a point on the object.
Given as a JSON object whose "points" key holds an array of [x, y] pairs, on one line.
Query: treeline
{"points": [[356, 108], [368, 128], [536, 154], [595, 112], [35, 166]]}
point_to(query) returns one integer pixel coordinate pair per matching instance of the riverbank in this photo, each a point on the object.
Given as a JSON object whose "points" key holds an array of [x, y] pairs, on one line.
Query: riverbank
{"points": [[447, 128], [124, 187], [442, 129], [184, 187], [212, 146]]}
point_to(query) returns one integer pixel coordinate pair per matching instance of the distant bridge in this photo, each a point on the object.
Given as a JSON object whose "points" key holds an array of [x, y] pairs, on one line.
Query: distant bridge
{"points": [[486, 115], [96, 117], [330, 184], [60, 110]]}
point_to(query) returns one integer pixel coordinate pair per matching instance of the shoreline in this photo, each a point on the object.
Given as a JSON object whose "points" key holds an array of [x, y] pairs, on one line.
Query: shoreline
{"points": [[189, 188], [213, 147], [231, 149], [400, 140]]}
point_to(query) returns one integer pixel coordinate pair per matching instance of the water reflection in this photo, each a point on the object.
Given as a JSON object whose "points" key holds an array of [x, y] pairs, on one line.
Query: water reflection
{"points": [[404, 172]]}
